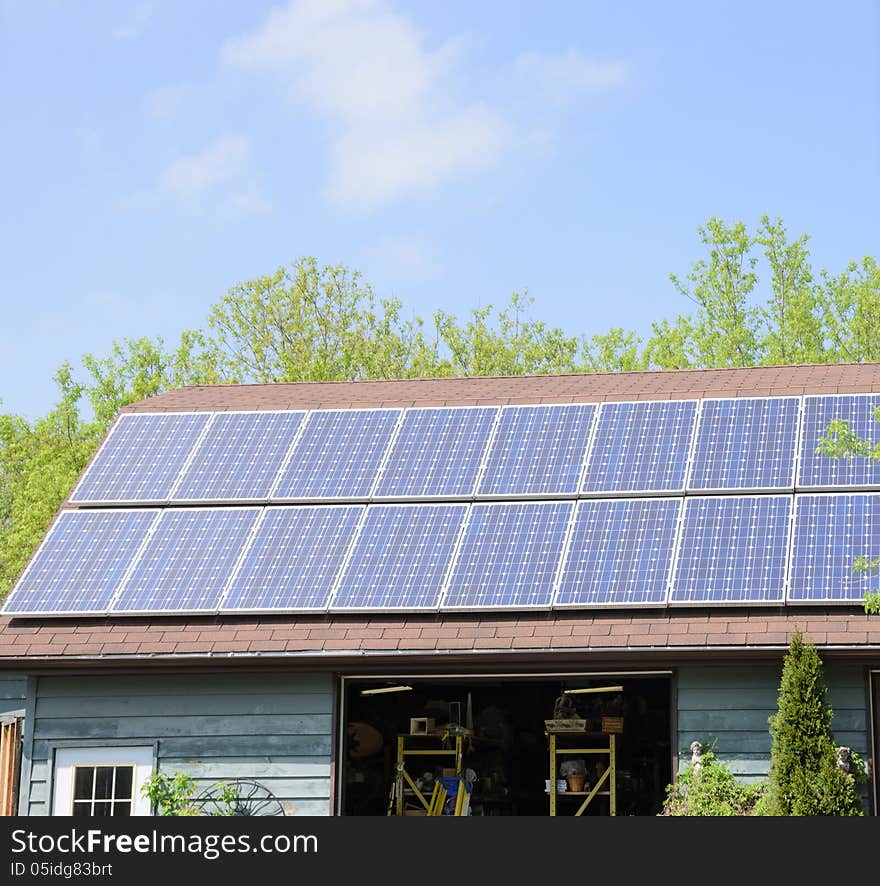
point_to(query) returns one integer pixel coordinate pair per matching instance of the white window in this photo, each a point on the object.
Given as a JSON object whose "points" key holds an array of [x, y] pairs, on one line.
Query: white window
{"points": [[101, 781]]}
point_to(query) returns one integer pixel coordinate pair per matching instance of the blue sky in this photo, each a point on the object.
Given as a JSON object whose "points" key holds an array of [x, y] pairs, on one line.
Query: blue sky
{"points": [[157, 152]]}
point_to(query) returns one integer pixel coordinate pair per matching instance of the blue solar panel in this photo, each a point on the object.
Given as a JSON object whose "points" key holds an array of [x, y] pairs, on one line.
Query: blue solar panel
{"points": [[338, 454], [640, 447], [400, 558], [822, 471], [294, 558], [830, 532], [187, 560], [141, 458], [239, 457], [733, 549], [78, 567], [438, 452], [620, 552], [745, 444], [537, 450], [509, 555]]}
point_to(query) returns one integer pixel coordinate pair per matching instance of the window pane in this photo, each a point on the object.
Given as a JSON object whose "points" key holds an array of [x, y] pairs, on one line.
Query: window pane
{"points": [[122, 809], [124, 776], [104, 783], [82, 809], [103, 809], [82, 782]]}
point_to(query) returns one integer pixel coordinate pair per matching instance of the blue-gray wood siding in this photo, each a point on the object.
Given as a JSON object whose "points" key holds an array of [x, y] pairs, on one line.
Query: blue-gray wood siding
{"points": [[273, 728], [13, 691], [730, 706]]}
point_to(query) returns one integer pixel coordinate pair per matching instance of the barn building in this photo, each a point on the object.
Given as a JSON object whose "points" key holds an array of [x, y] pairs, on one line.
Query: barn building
{"points": [[289, 586]]}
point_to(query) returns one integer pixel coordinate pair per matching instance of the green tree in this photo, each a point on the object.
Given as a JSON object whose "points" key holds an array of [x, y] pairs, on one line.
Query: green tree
{"points": [[506, 342], [804, 776], [314, 323]]}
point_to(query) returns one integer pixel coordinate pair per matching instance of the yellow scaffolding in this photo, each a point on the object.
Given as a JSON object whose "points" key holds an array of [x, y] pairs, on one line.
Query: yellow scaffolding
{"points": [[403, 781], [609, 775]]}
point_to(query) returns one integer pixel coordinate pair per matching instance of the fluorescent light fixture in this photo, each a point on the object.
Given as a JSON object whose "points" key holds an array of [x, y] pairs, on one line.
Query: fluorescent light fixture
{"points": [[385, 689], [592, 689]]}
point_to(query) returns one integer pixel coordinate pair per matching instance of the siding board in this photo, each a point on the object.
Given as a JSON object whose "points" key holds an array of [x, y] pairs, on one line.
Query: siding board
{"points": [[275, 729]]}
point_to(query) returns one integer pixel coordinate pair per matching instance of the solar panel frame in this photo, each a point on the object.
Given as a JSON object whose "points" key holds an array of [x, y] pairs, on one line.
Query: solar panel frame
{"points": [[834, 466], [581, 507], [357, 513], [694, 501], [692, 488], [109, 440], [566, 507], [858, 595], [484, 494], [171, 513], [382, 497], [276, 498], [608, 491], [48, 538], [203, 443], [333, 605]]}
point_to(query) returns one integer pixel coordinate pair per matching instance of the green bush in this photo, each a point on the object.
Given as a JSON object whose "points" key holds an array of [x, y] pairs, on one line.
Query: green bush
{"points": [[804, 776], [711, 789]]}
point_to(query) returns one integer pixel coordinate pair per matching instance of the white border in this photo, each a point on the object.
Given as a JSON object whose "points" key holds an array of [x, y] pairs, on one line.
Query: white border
{"points": [[108, 502], [78, 613], [734, 490], [510, 607], [714, 604], [332, 609], [627, 604], [638, 493], [222, 610], [822, 601], [835, 487]]}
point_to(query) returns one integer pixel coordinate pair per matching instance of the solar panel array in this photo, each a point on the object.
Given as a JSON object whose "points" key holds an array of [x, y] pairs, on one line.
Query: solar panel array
{"points": [[712, 502]]}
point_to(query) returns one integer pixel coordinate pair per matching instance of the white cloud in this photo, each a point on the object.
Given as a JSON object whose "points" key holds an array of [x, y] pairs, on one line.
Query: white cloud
{"points": [[403, 257], [250, 201], [397, 126], [223, 161], [136, 23], [565, 78], [166, 102]]}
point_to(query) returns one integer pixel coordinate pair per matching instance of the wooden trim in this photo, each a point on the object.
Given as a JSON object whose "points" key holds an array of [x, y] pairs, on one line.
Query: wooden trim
{"points": [[10, 765]]}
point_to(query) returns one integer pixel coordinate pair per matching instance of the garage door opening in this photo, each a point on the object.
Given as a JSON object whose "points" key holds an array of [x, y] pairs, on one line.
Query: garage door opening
{"points": [[504, 745]]}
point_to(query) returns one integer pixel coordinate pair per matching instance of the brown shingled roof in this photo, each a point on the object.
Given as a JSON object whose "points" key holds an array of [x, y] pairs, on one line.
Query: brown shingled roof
{"points": [[761, 381], [284, 636]]}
